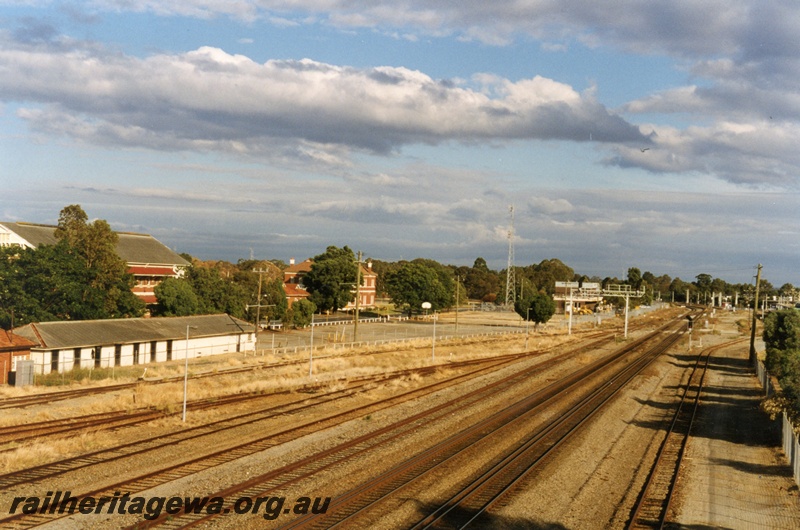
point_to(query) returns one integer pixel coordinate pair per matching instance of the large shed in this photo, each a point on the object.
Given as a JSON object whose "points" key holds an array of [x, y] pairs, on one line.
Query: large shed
{"points": [[65, 345], [149, 260]]}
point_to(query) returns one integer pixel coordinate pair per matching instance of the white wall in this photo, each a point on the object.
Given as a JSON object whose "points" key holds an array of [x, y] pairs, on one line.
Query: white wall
{"points": [[197, 347]]}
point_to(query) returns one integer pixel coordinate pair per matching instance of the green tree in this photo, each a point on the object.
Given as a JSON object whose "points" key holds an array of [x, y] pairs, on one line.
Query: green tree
{"points": [[275, 296], [481, 283], [40, 284], [175, 298], [703, 284], [543, 277], [52, 282], [635, 278], [107, 292], [216, 294], [782, 339], [332, 279], [301, 313], [679, 288], [71, 225], [420, 281], [537, 307]]}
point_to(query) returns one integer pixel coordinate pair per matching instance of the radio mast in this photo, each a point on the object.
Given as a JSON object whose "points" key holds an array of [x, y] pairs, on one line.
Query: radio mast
{"points": [[510, 281]]}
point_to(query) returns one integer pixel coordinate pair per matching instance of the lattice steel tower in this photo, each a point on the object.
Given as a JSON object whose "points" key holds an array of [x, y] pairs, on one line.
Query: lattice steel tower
{"points": [[510, 281]]}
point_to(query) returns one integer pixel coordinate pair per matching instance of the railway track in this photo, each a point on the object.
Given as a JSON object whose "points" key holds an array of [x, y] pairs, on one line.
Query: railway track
{"points": [[652, 506], [45, 398], [50, 470], [13, 435], [195, 465], [40, 473], [281, 478], [468, 504]]}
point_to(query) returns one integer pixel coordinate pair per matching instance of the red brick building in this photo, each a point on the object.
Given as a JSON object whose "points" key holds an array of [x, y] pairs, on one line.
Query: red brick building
{"points": [[12, 348], [295, 290]]}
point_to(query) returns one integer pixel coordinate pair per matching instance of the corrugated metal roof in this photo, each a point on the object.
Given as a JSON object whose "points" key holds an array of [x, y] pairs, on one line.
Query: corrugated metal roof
{"points": [[133, 248], [143, 248], [85, 333], [34, 234]]}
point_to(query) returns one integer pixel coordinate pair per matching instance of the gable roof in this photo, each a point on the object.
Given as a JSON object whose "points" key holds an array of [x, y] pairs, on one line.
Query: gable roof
{"points": [[32, 233], [12, 341], [303, 266], [84, 333], [131, 247]]}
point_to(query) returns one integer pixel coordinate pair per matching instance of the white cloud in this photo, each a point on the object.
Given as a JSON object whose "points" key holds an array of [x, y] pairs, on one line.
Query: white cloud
{"points": [[743, 56], [209, 99]]}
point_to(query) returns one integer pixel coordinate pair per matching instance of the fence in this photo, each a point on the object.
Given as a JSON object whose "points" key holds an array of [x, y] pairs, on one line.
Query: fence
{"points": [[765, 379], [367, 344], [791, 445]]}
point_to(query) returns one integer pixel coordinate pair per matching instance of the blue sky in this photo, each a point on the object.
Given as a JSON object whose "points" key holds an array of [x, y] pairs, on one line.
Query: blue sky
{"points": [[657, 135]]}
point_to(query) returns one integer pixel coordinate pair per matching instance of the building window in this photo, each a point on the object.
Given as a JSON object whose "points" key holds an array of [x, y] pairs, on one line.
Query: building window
{"points": [[169, 350], [153, 349], [97, 353], [76, 358], [117, 354], [136, 353], [54, 361]]}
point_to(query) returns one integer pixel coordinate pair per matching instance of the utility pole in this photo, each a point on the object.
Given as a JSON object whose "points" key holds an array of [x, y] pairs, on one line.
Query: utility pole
{"points": [[258, 304], [753, 355], [458, 281], [258, 300], [358, 295]]}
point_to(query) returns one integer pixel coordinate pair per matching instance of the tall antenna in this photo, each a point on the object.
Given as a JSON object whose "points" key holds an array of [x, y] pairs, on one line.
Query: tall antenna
{"points": [[510, 281]]}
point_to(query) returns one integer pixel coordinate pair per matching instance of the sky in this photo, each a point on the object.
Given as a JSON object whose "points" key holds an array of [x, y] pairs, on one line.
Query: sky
{"points": [[660, 135]]}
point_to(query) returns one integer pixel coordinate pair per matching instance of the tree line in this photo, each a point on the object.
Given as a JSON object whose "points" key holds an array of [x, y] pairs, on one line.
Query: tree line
{"points": [[81, 277]]}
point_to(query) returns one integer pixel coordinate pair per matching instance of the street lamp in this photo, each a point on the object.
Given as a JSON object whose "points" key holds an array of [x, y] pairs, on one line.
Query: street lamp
{"points": [[426, 306], [433, 344], [186, 372]]}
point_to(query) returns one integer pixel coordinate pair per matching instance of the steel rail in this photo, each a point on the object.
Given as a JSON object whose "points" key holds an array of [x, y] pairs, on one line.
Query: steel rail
{"points": [[654, 501], [278, 478], [481, 495], [385, 484], [220, 457]]}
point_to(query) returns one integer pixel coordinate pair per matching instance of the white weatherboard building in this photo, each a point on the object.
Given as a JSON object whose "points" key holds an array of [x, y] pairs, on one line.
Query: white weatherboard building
{"points": [[64, 345]]}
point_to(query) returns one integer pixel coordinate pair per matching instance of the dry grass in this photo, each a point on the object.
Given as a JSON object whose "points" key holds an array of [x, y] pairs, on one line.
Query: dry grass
{"points": [[331, 367], [38, 453]]}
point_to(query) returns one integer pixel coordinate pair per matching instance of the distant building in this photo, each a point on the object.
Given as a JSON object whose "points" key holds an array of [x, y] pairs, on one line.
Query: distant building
{"points": [[575, 296], [13, 348], [149, 260], [293, 281], [62, 346], [295, 290]]}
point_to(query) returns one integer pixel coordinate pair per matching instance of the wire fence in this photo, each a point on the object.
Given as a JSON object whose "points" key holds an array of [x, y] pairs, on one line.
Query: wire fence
{"points": [[337, 346], [791, 443]]}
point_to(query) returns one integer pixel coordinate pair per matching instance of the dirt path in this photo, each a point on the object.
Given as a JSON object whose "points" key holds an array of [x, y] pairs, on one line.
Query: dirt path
{"points": [[735, 475]]}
